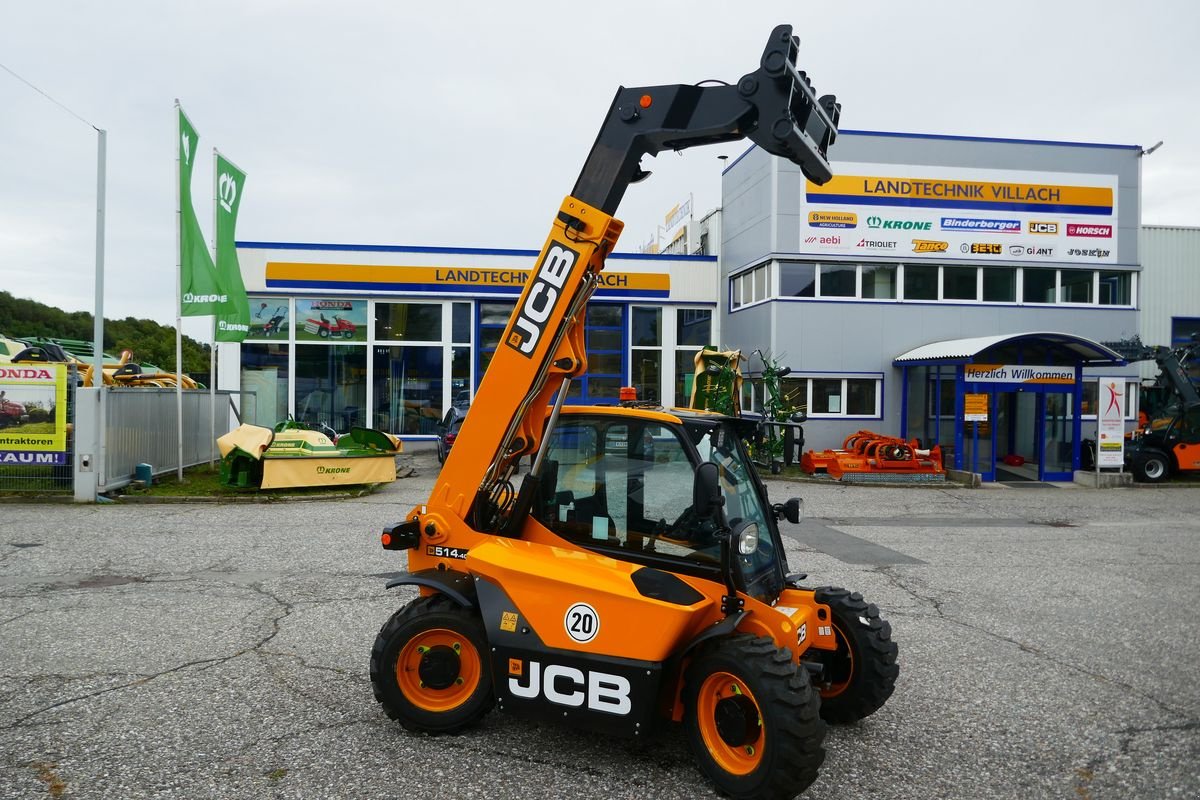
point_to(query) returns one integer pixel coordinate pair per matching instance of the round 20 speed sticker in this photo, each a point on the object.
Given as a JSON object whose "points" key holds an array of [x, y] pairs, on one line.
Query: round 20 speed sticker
{"points": [[582, 623]]}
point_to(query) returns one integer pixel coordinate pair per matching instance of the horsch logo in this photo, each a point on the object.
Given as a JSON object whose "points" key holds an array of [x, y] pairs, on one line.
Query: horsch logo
{"points": [[540, 298]]}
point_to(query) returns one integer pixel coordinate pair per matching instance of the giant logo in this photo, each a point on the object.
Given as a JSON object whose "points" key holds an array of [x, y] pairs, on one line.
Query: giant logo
{"points": [[541, 298], [567, 686]]}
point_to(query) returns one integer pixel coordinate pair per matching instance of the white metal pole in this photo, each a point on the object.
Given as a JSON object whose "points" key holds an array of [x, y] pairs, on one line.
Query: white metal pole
{"points": [[98, 322], [178, 302], [212, 353]]}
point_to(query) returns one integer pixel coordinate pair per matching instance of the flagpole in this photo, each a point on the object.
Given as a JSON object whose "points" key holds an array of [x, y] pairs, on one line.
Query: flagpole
{"points": [[98, 321], [178, 299], [212, 353]]}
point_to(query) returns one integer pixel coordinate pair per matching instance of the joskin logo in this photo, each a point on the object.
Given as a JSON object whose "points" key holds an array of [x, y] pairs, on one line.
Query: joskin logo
{"points": [[898, 224], [985, 225], [1097, 231], [927, 246], [541, 298], [832, 219]]}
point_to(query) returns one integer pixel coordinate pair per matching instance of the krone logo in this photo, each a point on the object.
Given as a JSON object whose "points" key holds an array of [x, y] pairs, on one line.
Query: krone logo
{"points": [[227, 190]]}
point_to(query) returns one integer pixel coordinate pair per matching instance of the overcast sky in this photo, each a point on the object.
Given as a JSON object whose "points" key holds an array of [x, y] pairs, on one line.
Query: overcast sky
{"points": [[465, 124]]}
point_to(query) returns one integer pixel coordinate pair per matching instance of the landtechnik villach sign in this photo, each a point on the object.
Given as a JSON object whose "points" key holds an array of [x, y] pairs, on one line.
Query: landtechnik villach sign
{"points": [[953, 213]]}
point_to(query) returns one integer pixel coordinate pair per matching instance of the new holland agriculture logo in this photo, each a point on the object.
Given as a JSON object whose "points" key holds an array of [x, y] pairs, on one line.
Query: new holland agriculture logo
{"points": [[898, 224], [928, 246], [832, 219]]}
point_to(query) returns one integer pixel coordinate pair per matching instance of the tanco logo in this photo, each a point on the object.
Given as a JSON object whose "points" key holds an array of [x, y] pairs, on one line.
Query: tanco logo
{"points": [[898, 224]]}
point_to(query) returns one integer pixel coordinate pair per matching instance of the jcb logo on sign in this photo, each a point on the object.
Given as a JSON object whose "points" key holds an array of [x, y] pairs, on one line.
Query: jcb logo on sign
{"points": [[541, 298], [567, 686], [1043, 227]]}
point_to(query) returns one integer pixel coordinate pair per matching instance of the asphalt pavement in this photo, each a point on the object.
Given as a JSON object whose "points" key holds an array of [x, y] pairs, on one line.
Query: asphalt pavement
{"points": [[1048, 648]]}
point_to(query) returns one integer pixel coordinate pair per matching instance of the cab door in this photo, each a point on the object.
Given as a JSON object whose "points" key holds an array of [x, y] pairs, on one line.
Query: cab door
{"points": [[1187, 440]]}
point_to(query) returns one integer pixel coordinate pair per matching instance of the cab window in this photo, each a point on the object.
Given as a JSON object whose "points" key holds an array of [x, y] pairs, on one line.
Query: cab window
{"points": [[613, 483]]}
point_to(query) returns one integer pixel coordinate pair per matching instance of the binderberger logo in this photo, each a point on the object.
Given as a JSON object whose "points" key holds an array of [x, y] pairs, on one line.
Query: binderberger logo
{"points": [[540, 298]]}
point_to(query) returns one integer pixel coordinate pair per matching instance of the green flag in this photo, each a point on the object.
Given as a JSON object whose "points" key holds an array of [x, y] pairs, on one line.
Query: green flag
{"points": [[233, 317], [200, 292]]}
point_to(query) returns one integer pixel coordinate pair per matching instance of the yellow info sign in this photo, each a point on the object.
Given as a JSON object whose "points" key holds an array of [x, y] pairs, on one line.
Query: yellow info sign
{"points": [[975, 407]]}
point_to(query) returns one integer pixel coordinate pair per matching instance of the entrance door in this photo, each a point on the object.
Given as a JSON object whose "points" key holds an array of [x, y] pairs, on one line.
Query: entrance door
{"points": [[1057, 436]]}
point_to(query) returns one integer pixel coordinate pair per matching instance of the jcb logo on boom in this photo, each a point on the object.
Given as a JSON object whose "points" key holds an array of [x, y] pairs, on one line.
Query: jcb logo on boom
{"points": [[567, 686], [541, 298]]}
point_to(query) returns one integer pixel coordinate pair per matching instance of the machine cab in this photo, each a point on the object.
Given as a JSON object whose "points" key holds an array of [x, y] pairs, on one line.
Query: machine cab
{"points": [[621, 483]]}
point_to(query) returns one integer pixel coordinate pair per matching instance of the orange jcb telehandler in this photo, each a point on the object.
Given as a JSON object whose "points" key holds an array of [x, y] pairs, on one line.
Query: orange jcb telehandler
{"points": [[637, 576]]}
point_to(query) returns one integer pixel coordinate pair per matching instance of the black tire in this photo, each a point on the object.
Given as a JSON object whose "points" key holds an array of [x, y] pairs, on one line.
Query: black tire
{"points": [[858, 677], [1151, 467], [753, 719], [443, 688]]}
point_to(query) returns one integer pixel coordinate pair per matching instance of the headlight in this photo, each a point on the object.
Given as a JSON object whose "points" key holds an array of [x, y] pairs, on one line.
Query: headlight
{"points": [[748, 539]]}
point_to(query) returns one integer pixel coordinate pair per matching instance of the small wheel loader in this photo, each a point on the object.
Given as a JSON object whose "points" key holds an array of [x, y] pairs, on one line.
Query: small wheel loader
{"points": [[636, 577]]}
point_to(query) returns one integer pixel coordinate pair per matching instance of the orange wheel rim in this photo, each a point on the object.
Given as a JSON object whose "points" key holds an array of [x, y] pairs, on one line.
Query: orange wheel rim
{"points": [[458, 668], [843, 659], [742, 752]]}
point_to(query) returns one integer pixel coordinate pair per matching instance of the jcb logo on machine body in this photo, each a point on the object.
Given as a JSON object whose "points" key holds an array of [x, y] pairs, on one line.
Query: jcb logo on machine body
{"points": [[568, 686], [541, 298]]}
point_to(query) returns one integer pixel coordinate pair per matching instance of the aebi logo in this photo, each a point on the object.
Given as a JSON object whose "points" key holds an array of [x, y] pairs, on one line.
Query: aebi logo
{"points": [[567, 686], [540, 299]]}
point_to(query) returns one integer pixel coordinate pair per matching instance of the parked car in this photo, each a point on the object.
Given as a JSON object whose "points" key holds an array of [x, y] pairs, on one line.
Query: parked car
{"points": [[447, 431]]}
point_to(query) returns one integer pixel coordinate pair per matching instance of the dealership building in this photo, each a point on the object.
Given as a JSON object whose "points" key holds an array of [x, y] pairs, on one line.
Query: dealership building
{"points": [[932, 274]]}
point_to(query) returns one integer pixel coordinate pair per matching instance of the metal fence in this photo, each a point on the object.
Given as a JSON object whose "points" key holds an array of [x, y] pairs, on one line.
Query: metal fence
{"points": [[142, 429]]}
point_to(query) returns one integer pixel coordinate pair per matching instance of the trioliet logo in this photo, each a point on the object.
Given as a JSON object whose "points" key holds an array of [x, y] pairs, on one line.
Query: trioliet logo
{"points": [[540, 298]]}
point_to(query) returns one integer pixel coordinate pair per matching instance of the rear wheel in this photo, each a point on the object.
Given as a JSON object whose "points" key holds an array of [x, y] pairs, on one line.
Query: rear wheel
{"points": [[858, 677], [1151, 467], [752, 719], [428, 668]]}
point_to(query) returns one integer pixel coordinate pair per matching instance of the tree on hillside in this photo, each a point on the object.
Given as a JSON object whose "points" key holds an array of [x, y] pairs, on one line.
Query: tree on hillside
{"points": [[150, 342]]}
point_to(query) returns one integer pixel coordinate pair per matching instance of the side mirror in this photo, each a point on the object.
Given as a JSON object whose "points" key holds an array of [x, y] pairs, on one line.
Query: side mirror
{"points": [[706, 490], [792, 510]]}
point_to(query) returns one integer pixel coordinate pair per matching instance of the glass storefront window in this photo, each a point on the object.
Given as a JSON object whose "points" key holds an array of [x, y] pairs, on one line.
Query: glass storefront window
{"points": [[408, 389], [960, 283], [860, 396], [460, 323], [694, 326], [647, 327], [879, 281], [460, 377], [838, 280], [999, 284], [647, 374], [269, 318], [331, 320], [920, 282], [331, 385], [827, 396], [798, 280], [264, 383], [1077, 286], [1039, 285], [410, 322]]}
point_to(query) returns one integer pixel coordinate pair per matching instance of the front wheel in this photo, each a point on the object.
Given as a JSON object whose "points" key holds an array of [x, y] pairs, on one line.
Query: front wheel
{"points": [[752, 719], [428, 667], [1151, 467], [858, 677]]}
